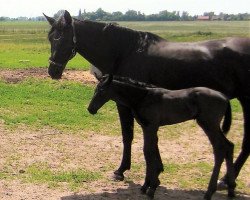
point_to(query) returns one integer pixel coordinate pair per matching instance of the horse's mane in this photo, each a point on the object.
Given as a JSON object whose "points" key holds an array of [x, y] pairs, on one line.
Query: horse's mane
{"points": [[132, 82], [116, 28]]}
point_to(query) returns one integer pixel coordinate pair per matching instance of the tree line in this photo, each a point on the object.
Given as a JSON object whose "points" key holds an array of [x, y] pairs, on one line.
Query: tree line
{"points": [[132, 15]]}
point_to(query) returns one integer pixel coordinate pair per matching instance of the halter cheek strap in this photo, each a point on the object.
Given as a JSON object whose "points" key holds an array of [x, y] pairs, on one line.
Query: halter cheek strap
{"points": [[55, 63], [73, 52]]}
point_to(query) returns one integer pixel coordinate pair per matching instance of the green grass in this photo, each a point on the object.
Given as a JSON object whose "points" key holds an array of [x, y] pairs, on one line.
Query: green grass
{"points": [[61, 105], [25, 44], [193, 30], [193, 174], [41, 173]]}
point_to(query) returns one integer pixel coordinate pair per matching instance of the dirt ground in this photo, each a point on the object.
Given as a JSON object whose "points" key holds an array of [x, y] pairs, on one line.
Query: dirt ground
{"points": [[14, 76], [92, 151]]}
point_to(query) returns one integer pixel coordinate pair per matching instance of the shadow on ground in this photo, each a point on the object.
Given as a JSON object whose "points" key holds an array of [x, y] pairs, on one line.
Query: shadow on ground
{"points": [[133, 193]]}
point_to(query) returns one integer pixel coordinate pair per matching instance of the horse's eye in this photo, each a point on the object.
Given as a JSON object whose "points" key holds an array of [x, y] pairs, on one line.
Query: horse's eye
{"points": [[58, 36]]}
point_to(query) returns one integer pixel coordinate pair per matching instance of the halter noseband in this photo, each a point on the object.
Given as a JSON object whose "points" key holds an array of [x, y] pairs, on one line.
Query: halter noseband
{"points": [[73, 51]]}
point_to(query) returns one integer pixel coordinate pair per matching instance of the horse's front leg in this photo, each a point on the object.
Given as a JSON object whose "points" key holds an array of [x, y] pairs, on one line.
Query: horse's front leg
{"points": [[127, 125]]}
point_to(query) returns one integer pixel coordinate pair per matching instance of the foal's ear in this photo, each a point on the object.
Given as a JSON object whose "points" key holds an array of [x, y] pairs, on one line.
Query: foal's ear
{"points": [[67, 18], [49, 19]]}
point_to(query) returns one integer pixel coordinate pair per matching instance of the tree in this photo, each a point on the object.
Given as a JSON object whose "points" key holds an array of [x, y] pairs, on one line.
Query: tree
{"points": [[100, 13], [130, 15], [185, 16], [117, 16]]}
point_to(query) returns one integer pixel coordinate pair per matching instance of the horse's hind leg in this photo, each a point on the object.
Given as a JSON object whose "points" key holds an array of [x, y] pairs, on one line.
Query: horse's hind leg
{"points": [[245, 152], [127, 125]]}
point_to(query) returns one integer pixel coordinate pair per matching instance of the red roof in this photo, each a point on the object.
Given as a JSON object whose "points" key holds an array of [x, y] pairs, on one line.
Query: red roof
{"points": [[203, 17]]}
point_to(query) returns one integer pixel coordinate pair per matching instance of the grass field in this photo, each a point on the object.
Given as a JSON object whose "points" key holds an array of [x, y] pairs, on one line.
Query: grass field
{"points": [[49, 140]]}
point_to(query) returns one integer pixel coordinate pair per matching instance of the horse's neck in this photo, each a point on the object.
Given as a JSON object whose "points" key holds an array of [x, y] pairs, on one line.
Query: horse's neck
{"points": [[103, 45], [89, 39], [128, 95]]}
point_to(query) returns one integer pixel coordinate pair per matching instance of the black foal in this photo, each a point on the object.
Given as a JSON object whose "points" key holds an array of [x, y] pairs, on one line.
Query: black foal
{"points": [[154, 107]]}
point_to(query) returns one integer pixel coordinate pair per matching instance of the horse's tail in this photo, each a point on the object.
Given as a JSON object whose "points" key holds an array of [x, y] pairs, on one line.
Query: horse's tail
{"points": [[227, 119]]}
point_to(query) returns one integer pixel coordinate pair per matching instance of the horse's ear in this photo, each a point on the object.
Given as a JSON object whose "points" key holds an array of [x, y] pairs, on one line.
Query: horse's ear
{"points": [[67, 18], [49, 19]]}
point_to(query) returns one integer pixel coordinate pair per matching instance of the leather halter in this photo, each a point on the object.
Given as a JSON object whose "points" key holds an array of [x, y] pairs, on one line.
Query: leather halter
{"points": [[73, 51]]}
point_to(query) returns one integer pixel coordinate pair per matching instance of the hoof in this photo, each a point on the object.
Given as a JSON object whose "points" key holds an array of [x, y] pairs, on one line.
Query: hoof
{"points": [[151, 193], [222, 185], [207, 197], [118, 176], [144, 189], [231, 194]]}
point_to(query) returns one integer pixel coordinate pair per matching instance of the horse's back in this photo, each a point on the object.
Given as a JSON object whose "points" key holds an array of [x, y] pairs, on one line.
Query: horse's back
{"points": [[239, 45]]}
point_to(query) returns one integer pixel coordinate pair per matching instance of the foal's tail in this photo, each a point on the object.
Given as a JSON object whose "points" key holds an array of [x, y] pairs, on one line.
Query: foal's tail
{"points": [[227, 119]]}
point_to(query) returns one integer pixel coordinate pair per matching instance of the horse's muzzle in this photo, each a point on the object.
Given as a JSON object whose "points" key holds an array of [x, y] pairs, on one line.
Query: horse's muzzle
{"points": [[92, 111], [55, 71]]}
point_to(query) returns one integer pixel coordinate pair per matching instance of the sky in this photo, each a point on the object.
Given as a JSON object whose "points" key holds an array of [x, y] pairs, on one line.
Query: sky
{"points": [[33, 8]]}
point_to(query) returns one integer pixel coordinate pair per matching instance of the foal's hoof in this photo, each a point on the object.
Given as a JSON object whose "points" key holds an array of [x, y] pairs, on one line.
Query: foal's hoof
{"points": [[144, 189], [231, 193], [118, 176], [222, 185], [151, 193], [207, 196]]}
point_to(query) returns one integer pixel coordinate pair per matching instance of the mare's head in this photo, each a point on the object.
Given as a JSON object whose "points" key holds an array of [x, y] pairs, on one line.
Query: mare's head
{"points": [[101, 95], [63, 43]]}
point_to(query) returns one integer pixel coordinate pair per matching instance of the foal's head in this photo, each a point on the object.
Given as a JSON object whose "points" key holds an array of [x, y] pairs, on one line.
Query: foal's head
{"points": [[102, 94], [63, 44]]}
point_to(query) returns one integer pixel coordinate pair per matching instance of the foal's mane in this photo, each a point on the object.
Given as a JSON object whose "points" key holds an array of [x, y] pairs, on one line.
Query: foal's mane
{"points": [[133, 83]]}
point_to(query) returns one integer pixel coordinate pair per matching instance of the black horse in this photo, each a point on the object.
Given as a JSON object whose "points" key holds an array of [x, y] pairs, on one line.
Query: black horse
{"points": [[223, 65], [154, 107]]}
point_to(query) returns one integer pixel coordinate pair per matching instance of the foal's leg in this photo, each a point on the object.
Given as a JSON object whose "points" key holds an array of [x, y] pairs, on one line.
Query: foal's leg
{"points": [[127, 125], [212, 130], [159, 169], [245, 150], [230, 168], [219, 155], [152, 160]]}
